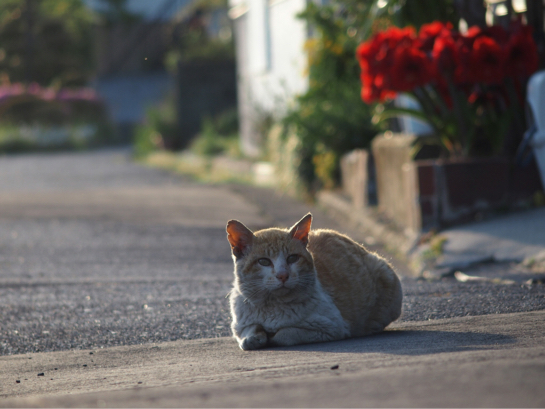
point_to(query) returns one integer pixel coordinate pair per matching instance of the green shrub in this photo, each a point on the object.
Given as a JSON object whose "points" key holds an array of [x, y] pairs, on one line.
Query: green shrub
{"points": [[57, 50], [160, 129], [330, 118], [218, 136], [146, 140]]}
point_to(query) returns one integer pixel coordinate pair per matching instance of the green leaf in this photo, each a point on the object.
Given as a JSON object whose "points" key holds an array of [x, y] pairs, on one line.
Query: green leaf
{"points": [[393, 112]]}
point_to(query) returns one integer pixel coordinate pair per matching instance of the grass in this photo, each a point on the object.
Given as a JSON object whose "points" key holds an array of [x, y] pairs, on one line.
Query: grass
{"points": [[204, 169], [214, 156], [36, 138]]}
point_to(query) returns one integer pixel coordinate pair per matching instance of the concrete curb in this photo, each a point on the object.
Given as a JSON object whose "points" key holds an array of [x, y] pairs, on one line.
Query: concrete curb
{"points": [[465, 247]]}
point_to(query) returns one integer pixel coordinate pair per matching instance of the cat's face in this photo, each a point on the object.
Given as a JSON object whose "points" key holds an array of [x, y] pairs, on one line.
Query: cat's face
{"points": [[272, 262]]}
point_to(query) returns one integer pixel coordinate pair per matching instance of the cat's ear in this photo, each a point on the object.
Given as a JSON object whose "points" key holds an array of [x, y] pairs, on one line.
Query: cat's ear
{"points": [[240, 237], [301, 229]]}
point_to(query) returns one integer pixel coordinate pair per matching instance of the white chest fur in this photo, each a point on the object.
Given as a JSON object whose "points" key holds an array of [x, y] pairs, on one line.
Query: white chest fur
{"points": [[315, 317]]}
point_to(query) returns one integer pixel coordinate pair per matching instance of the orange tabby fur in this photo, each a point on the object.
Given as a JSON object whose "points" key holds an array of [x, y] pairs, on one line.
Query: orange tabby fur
{"points": [[299, 286], [363, 285]]}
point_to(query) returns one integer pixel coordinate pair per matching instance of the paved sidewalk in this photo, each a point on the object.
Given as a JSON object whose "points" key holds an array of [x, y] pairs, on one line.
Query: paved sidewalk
{"points": [[487, 361], [506, 245], [513, 237]]}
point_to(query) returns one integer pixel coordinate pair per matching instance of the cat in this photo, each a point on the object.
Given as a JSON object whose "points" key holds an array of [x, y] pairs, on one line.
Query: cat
{"points": [[299, 286]]}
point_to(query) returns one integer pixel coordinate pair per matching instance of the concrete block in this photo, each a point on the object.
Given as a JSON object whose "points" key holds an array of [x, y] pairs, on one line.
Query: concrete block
{"points": [[396, 179], [355, 178]]}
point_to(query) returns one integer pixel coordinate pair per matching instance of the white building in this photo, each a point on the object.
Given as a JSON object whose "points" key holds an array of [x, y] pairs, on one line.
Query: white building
{"points": [[271, 62]]}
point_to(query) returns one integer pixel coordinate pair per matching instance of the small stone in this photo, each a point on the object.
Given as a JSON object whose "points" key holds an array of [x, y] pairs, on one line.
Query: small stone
{"points": [[41, 374]]}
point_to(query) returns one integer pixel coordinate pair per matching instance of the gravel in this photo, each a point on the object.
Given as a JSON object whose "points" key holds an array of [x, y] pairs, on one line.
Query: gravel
{"points": [[127, 285], [98, 315], [448, 298]]}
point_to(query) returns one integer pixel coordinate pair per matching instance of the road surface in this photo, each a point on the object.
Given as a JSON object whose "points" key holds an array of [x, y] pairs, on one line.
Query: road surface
{"points": [[97, 251]]}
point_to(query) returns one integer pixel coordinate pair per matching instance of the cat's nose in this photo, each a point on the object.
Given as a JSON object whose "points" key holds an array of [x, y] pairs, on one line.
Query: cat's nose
{"points": [[283, 276]]}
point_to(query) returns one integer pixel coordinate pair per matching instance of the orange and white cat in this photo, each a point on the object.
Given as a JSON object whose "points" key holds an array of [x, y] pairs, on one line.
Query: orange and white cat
{"points": [[299, 286]]}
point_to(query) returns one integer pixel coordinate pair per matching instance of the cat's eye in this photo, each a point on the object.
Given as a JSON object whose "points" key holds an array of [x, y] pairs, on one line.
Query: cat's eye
{"points": [[292, 259], [264, 262]]}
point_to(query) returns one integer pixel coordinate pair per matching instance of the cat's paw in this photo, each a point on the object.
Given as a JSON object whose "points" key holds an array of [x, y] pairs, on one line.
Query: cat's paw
{"points": [[256, 341]]}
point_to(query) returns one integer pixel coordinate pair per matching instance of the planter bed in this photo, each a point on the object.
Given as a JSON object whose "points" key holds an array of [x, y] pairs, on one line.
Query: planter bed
{"points": [[420, 195]]}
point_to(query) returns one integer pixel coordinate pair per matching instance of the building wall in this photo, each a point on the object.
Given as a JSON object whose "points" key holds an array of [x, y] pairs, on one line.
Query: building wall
{"points": [[205, 89], [271, 63], [128, 50]]}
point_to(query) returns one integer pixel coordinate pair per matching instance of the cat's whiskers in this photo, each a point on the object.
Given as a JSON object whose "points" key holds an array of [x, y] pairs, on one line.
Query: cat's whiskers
{"points": [[251, 291], [304, 281]]}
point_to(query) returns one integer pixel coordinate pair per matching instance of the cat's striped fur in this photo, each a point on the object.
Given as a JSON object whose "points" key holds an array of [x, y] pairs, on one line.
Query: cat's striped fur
{"points": [[300, 286]]}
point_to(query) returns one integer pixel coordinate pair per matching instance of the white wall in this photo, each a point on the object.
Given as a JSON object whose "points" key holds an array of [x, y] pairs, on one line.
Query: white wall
{"points": [[271, 61]]}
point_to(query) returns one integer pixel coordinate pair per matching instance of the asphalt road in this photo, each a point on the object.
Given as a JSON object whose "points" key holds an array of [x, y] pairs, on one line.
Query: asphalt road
{"points": [[97, 251]]}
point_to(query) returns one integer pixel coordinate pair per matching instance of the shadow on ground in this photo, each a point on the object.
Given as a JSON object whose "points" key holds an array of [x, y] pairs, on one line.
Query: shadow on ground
{"points": [[411, 342]]}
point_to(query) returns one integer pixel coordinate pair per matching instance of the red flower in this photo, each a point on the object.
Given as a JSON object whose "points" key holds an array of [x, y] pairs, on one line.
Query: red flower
{"points": [[464, 71], [376, 53], [445, 55], [411, 69], [481, 55], [498, 33], [429, 32], [374, 88], [473, 32], [521, 57], [397, 37], [367, 57], [376, 58], [487, 61], [369, 93], [371, 67], [396, 60]]}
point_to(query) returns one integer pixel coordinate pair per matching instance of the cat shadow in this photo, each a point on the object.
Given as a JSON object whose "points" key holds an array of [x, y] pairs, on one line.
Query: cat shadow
{"points": [[410, 342]]}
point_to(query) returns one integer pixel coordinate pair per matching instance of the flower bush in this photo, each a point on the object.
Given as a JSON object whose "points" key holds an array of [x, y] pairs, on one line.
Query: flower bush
{"points": [[33, 117], [470, 86], [28, 104]]}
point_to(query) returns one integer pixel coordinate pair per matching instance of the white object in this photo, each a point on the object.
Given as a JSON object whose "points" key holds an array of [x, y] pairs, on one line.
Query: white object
{"points": [[271, 62], [408, 123], [536, 100]]}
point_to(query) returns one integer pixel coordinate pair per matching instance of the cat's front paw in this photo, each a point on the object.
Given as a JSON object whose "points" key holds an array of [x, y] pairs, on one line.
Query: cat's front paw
{"points": [[256, 341]]}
